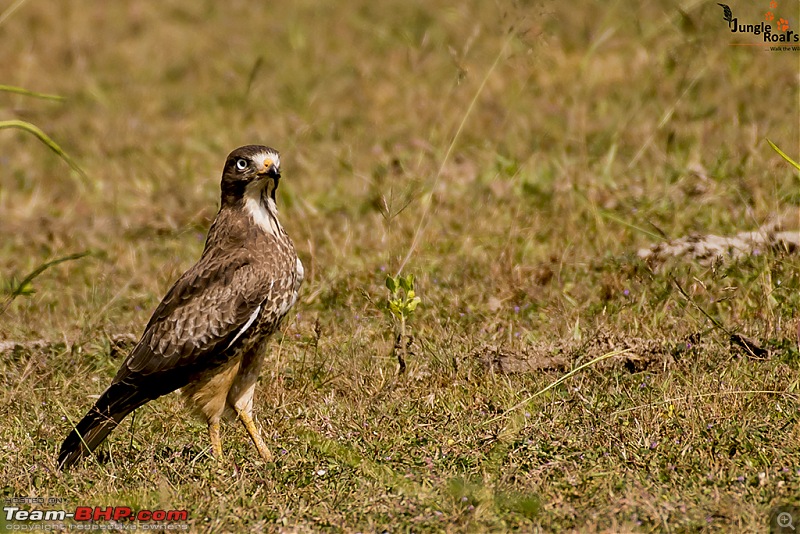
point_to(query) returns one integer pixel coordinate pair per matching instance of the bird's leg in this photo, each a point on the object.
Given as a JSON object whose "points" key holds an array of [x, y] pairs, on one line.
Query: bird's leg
{"points": [[216, 443], [250, 426]]}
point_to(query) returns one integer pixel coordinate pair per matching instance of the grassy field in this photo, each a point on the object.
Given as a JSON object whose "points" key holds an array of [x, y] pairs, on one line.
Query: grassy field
{"points": [[513, 157]]}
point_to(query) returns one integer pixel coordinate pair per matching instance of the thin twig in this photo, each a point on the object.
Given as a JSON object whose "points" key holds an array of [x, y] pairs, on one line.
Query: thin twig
{"points": [[699, 308], [751, 347], [429, 199], [704, 395], [10, 10], [558, 381]]}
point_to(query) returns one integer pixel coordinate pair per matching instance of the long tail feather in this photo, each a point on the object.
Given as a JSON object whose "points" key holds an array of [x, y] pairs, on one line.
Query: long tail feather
{"points": [[114, 404]]}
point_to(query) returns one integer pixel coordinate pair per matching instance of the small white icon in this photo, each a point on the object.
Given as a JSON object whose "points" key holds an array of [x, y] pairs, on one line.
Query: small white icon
{"points": [[785, 520]]}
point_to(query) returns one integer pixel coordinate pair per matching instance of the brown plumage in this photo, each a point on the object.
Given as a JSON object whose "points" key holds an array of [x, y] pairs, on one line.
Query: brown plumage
{"points": [[208, 335]]}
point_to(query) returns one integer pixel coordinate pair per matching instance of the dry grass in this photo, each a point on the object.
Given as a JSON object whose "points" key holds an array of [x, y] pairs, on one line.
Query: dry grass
{"points": [[598, 130]]}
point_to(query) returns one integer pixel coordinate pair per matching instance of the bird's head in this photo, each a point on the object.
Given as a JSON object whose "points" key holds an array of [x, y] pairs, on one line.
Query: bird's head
{"points": [[251, 170]]}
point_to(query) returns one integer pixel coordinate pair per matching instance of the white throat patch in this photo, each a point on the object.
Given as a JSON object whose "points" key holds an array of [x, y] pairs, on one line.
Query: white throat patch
{"points": [[260, 206]]}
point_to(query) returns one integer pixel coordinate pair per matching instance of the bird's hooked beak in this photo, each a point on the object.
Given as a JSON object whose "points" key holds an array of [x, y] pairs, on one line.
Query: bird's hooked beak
{"points": [[269, 168]]}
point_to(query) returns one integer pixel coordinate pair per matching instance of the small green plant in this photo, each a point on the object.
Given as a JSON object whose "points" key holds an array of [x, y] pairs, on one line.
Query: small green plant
{"points": [[401, 303]]}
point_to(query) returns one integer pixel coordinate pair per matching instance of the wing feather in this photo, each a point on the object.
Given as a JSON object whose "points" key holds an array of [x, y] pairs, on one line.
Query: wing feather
{"points": [[201, 316]]}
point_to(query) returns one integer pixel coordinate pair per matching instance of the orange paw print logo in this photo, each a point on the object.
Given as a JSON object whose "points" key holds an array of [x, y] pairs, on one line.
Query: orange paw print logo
{"points": [[783, 24], [773, 4], [769, 16]]}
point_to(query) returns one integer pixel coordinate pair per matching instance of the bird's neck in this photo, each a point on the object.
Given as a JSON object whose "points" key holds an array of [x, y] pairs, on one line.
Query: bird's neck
{"points": [[259, 206], [244, 218]]}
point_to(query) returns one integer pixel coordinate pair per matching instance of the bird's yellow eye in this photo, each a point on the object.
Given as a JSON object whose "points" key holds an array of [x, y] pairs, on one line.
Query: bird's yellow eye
{"points": [[241, 164]]}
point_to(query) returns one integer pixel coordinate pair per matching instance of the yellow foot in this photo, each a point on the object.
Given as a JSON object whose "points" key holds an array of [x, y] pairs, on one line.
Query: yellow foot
{"points": [[216, 443], [250, 426]]}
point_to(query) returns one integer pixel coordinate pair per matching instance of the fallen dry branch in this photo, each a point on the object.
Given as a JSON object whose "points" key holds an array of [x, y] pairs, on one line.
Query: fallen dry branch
{"points": [[778, 235], [633, 354], [37, 344], [528, 360], [640, 354], [119, 342]]}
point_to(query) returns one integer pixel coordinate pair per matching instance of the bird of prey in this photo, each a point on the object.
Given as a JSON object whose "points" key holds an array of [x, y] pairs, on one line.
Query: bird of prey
{"points": [[208, 335]]}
